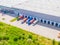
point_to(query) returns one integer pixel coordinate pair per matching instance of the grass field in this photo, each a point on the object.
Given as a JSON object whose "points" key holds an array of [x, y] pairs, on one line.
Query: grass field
{"points": [[11, 35]]}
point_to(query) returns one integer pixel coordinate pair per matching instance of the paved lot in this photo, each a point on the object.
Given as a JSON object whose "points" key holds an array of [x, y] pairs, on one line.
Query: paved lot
{"points": [[37, 29]]}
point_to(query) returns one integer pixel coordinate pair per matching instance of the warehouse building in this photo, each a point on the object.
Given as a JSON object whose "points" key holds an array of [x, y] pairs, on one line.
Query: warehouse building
{"points": [[42, 18]]}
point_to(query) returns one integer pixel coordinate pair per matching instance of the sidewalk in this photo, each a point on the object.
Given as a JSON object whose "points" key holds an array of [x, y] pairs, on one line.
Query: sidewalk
{"points": [[37, 29]]}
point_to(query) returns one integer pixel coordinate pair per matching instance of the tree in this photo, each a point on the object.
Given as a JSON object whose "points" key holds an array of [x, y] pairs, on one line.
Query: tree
{"points": [[0, 38], [53, 42], [59, 43]]}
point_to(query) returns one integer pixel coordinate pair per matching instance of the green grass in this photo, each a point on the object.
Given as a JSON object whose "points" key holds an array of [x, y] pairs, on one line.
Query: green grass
{"points": [[11, 35], [3, 18], [14, 19]]}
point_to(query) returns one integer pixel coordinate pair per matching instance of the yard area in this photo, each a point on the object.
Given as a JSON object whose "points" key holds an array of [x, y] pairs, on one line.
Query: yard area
{"points": [[11, 35]]}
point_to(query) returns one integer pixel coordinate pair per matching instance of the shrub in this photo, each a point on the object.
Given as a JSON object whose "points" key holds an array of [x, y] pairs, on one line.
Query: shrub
{"points": [[23, 38], [30, 36], [3, 18], [29, 41], [59, 43], [23, 34], [5, 38], [19, 37], [0, 38], [15, 39], [53, 42]]}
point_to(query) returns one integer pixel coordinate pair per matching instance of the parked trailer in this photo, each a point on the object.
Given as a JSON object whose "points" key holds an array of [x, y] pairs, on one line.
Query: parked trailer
{"points": [[34, 19], [29, 19], [25, 19], [20, 17], [35, 22]]}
